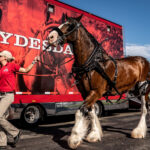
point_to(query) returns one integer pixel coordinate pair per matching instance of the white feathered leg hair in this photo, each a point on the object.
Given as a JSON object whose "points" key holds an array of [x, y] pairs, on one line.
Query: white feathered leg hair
{"points": [[140, 130], [95, 133], [79, 130]]}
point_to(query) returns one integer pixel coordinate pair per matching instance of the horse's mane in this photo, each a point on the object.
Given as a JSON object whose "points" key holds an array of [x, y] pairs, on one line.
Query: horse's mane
{"points": [[90, 35]]}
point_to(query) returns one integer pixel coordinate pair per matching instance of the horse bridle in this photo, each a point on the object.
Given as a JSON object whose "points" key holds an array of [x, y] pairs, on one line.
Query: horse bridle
{"points": [[62, 35], [75, 28]]}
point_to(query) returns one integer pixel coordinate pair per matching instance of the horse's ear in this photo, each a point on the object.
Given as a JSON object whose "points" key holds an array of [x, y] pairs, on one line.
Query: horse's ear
{"points": [[66, 16], [79, 18], [63, 18]]}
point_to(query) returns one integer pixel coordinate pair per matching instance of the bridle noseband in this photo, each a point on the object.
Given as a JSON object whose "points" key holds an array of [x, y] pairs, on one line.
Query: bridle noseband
{"points": [[75, 28], [62, 35]]}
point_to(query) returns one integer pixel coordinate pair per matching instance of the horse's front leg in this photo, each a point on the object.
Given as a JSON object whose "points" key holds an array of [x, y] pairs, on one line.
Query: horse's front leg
{"points": [[95, 133], [79, 130], [82, 121], [140, 130]]}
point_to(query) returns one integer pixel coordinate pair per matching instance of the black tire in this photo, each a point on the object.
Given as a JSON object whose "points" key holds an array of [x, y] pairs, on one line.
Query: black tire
{"points": [[32, 115], [99, 109]]}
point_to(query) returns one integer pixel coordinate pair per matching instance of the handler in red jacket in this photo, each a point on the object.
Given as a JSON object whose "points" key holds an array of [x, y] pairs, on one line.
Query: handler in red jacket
{"points": [[7, 87]]}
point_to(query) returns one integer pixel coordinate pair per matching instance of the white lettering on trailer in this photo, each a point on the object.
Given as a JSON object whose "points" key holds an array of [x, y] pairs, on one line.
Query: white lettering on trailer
{"points": [[23, 41], [58, 50], [5, 36], [18, 39], [45, 42], [34, 43], [68, 50]]}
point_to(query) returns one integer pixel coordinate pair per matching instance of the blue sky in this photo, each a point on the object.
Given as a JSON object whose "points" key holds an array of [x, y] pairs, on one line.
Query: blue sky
{"points": [[133, 15]]}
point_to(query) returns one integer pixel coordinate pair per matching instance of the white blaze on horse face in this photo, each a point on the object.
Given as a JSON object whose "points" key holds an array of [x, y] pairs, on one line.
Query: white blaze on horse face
{"points": [[53, 36], [60, 27]]}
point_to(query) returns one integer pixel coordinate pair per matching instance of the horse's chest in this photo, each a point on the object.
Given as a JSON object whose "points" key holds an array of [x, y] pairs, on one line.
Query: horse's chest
{"points": [[92, 80]]}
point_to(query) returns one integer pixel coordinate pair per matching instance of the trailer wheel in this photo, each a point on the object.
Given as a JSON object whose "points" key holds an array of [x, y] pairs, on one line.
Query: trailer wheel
{"points": [[99, 109], [32, 115]]}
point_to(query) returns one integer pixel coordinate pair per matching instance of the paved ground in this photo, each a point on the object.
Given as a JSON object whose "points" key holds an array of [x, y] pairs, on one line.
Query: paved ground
{"points": [[52, 135]]}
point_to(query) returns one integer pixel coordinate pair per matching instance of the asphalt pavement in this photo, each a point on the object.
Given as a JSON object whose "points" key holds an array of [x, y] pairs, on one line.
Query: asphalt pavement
{"points": [[53, 133]]}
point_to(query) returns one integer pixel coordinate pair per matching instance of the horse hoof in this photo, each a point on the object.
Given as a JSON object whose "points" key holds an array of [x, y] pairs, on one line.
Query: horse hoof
{"points": [[137, 134], [73, 142], [93, 137]]}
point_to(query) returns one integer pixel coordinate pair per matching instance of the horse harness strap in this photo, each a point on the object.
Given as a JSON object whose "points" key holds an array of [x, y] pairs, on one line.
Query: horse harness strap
{"points": [[111, 84], [76, 27], [93, 64]]}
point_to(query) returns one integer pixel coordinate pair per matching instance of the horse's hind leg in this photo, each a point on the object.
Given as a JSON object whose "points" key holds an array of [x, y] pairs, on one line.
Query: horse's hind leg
{"points": [[95, 133], [140, 130]]}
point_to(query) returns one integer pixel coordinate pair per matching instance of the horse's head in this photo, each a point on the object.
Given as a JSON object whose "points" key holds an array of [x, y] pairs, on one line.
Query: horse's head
{"points": [[70, 27], [66, 32]]}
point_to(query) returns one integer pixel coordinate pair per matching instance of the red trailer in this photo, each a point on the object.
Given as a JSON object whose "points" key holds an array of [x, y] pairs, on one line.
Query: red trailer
{"points": [[47, 89]]}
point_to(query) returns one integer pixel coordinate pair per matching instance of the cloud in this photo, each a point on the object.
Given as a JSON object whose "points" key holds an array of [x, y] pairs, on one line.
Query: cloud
{"points": [[138, 50]]}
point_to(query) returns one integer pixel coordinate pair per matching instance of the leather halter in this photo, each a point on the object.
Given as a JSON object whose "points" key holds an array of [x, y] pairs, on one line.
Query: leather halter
{"points": [[75, 28], [62, 35]]}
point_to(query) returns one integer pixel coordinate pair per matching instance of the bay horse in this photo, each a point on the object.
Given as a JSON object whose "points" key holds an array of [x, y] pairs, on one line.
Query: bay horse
{"points": [[97, 74]]}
